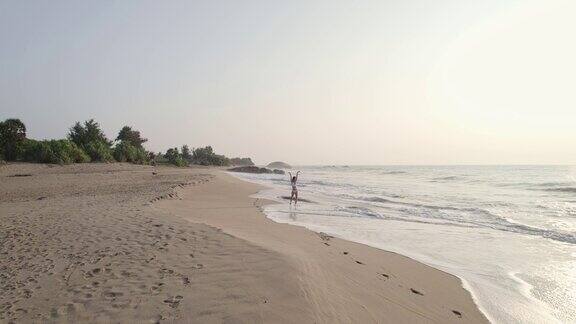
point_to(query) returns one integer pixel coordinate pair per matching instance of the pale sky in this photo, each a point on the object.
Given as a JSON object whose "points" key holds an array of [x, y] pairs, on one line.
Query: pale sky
{"points": [[306, 82]]}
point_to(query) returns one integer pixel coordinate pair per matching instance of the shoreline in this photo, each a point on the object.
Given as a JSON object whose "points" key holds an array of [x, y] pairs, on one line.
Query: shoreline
{"points": [[357, 256], [89, 243], [464, 283]]}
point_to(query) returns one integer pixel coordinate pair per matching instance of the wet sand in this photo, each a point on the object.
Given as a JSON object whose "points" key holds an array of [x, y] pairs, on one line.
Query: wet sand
{"points": [[342, 281]]}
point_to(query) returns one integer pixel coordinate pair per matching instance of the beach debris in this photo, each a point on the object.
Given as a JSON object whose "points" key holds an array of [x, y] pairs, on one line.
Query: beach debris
{"points": [[414, 291], [457, 313], [359, 262], [324, 236], [17, 175], [385, 275], [345, 252], [42, 198]]}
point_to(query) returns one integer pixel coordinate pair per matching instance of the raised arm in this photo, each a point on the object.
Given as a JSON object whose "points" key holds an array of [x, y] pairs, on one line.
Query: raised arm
{"points": [[297, 175], [290, 174]]}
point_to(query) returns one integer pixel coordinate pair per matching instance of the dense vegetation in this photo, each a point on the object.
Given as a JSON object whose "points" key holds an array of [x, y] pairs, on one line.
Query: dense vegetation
{"points": [[129, 147], [185, 156], [126, 152], [206, 156], [92, 140], [175, 157], [12, 136], [86, 142], [53, 151]]}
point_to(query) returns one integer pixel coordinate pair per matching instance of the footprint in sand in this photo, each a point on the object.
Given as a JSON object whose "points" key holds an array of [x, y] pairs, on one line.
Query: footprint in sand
{"points": [[173, 301]]}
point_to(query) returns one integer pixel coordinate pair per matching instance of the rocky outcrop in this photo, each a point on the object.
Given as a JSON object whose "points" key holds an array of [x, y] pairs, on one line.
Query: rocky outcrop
{"points": [[241, 161], [279, 165], [255, 169]]}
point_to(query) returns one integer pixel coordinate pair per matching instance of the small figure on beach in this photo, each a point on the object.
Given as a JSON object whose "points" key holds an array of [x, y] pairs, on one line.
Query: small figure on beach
{"points": [[294, 194]]}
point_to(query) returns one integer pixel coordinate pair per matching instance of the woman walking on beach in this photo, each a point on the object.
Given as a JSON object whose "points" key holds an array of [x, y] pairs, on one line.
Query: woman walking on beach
{"points": [[294, 194]]}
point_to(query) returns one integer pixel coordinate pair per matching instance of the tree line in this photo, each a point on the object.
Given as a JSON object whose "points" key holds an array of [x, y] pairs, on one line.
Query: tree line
{"points": [[86, 142]]}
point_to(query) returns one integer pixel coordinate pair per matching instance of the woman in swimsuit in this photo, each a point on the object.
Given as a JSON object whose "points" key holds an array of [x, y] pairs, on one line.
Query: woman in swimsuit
{"points": [[294, 194]]}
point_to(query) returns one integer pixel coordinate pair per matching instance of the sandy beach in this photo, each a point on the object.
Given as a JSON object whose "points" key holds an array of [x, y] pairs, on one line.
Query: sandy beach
{"points": [[118, 243]]}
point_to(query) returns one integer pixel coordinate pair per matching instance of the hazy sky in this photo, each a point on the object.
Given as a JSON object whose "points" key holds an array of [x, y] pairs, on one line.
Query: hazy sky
{"points": [[307, 82]]}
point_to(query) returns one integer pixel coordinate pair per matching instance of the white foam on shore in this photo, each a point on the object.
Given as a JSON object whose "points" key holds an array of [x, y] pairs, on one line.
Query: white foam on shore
{"points": [[487, 261]]}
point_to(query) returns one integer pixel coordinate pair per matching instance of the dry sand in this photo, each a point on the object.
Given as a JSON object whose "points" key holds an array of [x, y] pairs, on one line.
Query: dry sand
{"points": [[115, 243]]}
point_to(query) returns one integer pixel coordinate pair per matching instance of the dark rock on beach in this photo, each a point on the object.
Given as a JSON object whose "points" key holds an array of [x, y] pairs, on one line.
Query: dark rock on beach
{"points": [[255, 169]]}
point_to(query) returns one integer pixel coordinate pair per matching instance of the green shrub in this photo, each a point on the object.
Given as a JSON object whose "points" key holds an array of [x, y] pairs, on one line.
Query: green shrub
{"points": [[174, 157], [12, 137], [99, 152], [78, 155], [159, 158], [53, 151], [68, 151], [126, 152], [179, 162], [36, 151], [127, 134], [142, 157], [90, 137], [186, 153], [206, 156], [87, 133]]}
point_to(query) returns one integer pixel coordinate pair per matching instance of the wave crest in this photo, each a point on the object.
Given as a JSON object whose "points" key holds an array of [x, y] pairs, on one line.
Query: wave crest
{"points": [[447, 178], [562, 189], [393, 172]]}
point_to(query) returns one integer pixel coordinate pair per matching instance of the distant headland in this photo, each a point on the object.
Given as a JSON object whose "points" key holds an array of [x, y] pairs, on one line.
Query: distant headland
{"points": [[279, 165]]}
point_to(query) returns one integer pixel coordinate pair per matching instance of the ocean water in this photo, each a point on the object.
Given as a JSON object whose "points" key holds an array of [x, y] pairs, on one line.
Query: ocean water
{"points": [[509, 232]]}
